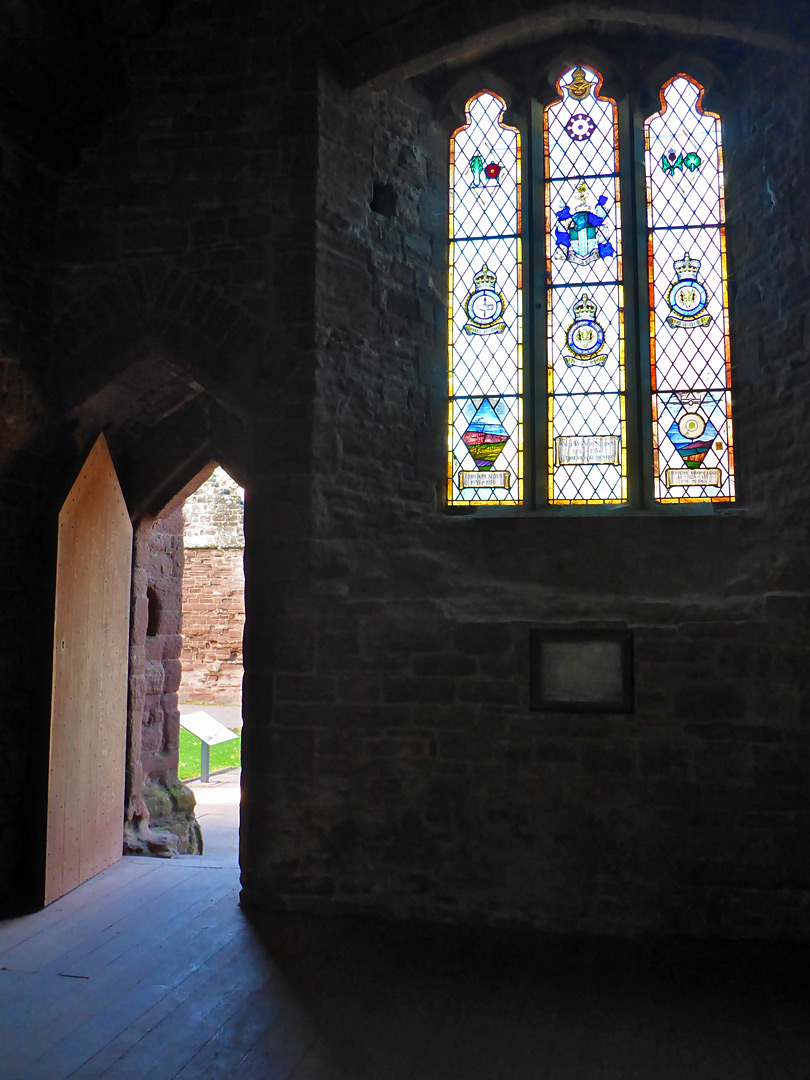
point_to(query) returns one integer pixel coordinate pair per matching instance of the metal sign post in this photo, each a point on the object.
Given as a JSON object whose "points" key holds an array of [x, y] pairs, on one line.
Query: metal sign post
{"points": [[210, 732]]}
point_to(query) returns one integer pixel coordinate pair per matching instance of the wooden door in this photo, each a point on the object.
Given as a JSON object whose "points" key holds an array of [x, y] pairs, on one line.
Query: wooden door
{"points": [[89, 693]]}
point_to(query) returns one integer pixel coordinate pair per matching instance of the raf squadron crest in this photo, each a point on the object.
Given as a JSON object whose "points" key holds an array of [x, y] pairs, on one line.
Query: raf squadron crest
{"points": [[585, 337], [687, 296], [484, 305]]}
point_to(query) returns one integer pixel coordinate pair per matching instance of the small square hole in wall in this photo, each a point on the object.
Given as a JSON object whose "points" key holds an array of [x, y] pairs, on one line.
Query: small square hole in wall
{"points": [[582, 670]]}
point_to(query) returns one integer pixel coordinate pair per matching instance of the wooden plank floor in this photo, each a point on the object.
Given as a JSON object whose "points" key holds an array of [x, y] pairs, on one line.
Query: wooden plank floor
{"points": [[151, 970]]}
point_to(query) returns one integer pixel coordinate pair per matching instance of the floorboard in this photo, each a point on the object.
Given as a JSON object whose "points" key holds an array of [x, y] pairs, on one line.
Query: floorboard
{"points": [[189, 943], [116, 879], [46, 947]]}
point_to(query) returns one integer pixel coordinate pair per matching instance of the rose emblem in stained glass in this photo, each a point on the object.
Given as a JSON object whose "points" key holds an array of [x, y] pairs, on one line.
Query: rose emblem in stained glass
{"points": [[687, 296], [581, 240], [580, 127], [492, 171], [485, 436], [585, 336], [484, 305]]}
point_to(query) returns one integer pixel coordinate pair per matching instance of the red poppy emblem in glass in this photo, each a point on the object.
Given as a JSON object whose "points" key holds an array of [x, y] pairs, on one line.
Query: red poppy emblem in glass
{"points": [[580, 127], [492, 171]]}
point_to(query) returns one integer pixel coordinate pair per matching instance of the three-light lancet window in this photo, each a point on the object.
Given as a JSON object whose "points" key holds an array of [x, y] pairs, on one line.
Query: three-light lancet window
{"points": [[601, 428]]}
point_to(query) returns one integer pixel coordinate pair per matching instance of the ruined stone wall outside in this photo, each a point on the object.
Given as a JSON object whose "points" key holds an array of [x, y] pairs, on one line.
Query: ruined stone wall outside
{"points": [[213, 592], [213, 625], [409, 774], [214, 515]]}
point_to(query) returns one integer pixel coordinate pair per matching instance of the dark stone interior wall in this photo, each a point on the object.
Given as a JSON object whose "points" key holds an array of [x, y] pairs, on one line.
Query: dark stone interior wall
{"points": [[178, 248], [28, 204], [410, 775]]}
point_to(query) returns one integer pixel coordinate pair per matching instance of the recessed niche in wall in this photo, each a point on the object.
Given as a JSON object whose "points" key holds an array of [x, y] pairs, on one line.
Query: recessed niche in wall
{"points": [[152, 611], [383, 199], [582, 670]]}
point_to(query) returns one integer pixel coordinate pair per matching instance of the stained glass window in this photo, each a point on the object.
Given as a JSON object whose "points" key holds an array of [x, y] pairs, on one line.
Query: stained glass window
{"points": [[583, 437], [587, 429], [485, 324], [690, 366]]}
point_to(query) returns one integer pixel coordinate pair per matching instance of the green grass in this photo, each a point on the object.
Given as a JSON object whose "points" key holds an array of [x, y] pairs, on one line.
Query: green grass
{"points": [[223, 755]]}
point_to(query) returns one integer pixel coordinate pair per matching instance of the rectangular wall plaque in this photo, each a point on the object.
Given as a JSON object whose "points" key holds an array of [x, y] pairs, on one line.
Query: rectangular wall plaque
{"points": [[582, 670]]}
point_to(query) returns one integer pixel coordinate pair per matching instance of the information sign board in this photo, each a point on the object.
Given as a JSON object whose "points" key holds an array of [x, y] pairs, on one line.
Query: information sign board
{"points": [[203, 726]]}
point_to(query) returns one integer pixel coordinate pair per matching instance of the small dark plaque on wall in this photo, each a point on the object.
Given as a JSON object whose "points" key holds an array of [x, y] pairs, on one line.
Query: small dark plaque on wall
{"points": [[582, 670]]}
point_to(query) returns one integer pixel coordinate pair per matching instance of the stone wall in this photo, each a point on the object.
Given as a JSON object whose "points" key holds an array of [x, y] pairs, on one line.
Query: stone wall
{"points": [[160, 810], [213, 624], [214, 515], [409, 774], [29, 191]]}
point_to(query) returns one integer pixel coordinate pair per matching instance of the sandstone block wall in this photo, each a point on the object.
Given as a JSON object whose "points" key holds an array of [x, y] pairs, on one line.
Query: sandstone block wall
{"points": [[213, 625], [159, 808]]}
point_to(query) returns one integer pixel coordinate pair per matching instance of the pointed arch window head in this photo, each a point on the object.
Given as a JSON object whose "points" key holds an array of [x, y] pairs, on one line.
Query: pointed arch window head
{"points": [[582, 382], [485, 324]]}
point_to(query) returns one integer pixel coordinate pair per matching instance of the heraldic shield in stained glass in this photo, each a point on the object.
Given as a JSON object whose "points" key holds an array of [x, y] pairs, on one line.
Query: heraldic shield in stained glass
{"points": [[587, 444], [485, 315], [690, 364]]}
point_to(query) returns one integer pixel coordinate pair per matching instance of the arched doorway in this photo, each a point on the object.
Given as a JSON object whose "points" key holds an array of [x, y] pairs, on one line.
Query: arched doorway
{"points": [[186, 659]]}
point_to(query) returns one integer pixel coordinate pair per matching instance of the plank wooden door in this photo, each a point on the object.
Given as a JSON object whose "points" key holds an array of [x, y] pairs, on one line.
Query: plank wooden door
{"points": [[89, 692]]}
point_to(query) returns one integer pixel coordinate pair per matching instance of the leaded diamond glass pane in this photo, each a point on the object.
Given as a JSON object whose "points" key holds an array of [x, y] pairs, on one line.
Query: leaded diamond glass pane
{"points": [[691, 381], [587, 428], [485, 312]]}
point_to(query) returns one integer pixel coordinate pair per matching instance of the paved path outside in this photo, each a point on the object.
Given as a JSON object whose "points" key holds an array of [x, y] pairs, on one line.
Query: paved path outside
{"points": [[218, 815]]}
